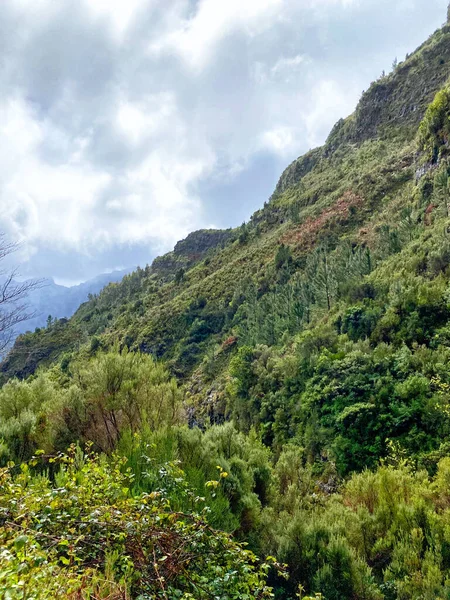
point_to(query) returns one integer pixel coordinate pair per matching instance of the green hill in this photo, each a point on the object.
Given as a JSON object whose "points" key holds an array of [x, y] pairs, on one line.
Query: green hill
{"points": [[308, 351], [351, 190]]}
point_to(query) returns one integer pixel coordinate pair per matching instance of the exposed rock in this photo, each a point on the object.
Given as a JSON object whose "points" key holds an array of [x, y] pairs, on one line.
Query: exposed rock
{"points": [[402, 97], [189, 251], [297, 170], [199, 242]]}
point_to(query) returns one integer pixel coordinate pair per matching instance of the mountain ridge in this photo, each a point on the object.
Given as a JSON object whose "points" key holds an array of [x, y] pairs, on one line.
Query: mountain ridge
{"points": [[300, 188], [60, 301], [292, 375]]}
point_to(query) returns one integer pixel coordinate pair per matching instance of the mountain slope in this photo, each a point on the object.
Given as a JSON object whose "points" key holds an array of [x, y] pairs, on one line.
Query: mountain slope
{"points": [[58, 301], [311, 260], [308, 397]]}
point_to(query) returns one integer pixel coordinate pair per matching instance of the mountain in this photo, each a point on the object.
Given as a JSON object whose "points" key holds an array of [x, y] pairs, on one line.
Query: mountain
{"points": [[339, 193], [58, 301], [297, 369]]}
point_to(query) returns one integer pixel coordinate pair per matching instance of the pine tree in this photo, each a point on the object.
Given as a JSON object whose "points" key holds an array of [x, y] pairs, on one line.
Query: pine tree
{"points": [[306, 297], [408, 224], [294, 212], [283, 256], [321, 273], [179, 276], [243, 234], [441, 191]]}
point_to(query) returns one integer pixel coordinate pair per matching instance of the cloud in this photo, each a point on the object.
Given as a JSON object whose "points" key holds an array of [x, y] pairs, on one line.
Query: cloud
{"points": [[279, 139], [125, 125], [197, 36], [119, 13], [329, 101]]}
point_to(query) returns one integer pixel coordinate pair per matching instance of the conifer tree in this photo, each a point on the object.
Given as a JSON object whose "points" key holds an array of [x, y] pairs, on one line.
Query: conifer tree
{"points": [[442, 189], [179, 276], [321, 273]]}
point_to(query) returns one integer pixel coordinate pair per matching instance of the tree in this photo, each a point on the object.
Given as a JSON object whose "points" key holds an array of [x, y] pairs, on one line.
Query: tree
{"points": [[321, 273], [294, 212], [179, 276], [448, 13], [243, 234], [114, 391], [13, 306], [441, 188], [435, 127], [283, 256]]}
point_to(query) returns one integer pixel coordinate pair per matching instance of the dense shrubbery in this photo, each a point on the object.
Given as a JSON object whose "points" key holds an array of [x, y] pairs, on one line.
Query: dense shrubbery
{"points": [[85, 526], [82, 534], [317, 335], [380, 534], [93, 399], [435, 128]]}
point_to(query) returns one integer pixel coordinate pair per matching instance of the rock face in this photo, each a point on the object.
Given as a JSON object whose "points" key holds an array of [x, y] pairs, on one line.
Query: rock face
{"points": [[402, 97], [199, 242], [189, 251], [390, 110], [295, 172]]}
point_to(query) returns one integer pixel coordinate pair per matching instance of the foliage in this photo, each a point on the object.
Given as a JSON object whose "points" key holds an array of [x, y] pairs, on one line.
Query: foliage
{"points": [[295, 369], [84, 535], [96, 401], [435, 127]]}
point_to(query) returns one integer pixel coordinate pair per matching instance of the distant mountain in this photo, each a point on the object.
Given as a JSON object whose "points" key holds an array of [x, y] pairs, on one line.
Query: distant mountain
{"points": [[312, 350], [59, 301], [317, 253]]}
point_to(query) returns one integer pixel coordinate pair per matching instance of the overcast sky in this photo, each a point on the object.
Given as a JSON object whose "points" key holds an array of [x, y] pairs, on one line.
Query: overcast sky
{"points": [[126, 124]]}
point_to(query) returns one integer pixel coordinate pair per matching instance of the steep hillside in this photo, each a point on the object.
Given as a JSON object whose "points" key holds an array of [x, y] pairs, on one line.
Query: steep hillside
{"points": [[348, 259], [188, 252], [184, 303], [297, 370]]}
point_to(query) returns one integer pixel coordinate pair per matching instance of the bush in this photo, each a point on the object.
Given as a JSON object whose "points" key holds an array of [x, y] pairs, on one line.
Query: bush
{"points": [[84, 535]]}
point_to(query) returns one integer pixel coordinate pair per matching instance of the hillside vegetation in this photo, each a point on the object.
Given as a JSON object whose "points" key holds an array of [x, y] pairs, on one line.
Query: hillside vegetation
{"points": [[278, 390]]}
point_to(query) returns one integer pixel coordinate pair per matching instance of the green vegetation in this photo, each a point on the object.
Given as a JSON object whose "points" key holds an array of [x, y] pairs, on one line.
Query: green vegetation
{"points": [[435, 128], [279, 390], [84, 535]]}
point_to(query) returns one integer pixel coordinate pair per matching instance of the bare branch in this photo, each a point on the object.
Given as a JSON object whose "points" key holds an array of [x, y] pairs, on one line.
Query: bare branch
{"points": [[13, 294], [6, 247]]}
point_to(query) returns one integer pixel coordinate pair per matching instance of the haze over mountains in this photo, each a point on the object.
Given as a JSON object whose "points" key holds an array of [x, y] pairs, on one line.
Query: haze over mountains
{"points": [[284, 384], [59, 301]]}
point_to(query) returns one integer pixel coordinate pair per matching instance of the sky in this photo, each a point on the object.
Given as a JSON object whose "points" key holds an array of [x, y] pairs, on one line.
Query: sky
{"points": [[126, 124]]}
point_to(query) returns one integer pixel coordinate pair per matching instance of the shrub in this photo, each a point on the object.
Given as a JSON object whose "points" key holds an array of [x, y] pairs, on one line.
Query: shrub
{"points": [[84, 535]]}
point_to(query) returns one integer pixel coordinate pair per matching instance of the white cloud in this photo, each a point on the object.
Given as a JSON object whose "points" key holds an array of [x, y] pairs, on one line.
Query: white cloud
{"points": [[120, 13], [106, 146], [139, 120], [284, 65], [58, 205], [330, 101], [197, 36], [280, 140], [42, 202]]}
